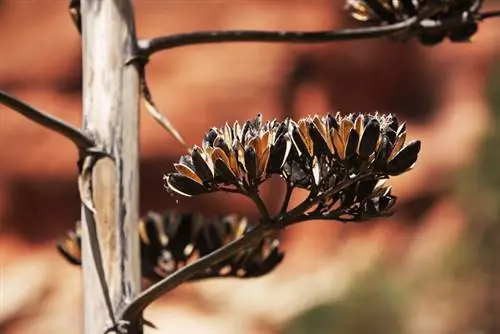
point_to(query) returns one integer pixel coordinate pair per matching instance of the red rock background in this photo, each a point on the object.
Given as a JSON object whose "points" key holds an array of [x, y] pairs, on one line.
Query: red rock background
{"points": [[440, 91]]}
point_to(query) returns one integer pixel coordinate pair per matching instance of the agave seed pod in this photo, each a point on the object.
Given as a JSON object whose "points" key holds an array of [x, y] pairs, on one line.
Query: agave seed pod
{"points": [[393, 11]]}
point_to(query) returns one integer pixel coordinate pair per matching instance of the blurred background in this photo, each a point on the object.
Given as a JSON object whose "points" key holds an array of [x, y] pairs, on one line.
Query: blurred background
{"points": [[432, 268]]}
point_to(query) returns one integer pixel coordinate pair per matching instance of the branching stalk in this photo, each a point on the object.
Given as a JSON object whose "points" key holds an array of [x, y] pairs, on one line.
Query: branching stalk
{"points": [[286, 200]]}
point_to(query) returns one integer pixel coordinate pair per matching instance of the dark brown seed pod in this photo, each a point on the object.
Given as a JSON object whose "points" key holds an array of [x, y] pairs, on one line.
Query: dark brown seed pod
{"points": [[365, 188], [203, 169], [251, 162], [224, 173], [404, 159], [71, 246], [351, 144], [393, 11], [369, 139], [280, 151], [184, 185]]}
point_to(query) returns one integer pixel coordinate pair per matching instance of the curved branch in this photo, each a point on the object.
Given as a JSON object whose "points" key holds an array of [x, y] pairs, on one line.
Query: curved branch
{"points": [[286, 200], [149, 46], [132, 313], [253, 193], [78, 137]]}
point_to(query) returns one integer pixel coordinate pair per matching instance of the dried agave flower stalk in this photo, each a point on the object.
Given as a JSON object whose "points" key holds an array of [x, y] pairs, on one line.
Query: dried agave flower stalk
{"points": [[393, 11], [341, 160], [170, 241]]}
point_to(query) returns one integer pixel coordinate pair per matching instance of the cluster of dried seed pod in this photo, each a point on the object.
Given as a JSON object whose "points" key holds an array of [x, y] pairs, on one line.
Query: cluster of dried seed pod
{"points": [[172, 240], [393, 11], [231, 157], [331, 148], [304, 152], [321, 154]]}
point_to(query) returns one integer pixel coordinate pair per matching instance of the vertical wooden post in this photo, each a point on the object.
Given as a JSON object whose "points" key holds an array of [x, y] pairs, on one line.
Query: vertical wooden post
{"points": [[111, 111]]}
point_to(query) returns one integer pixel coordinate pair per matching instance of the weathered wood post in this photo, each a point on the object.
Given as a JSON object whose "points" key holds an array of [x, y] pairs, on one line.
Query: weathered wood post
{"points": [[111, 111]]}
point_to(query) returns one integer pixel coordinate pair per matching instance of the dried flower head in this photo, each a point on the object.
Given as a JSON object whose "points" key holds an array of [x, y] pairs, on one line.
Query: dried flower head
{"points": [[341, 160], [232, 157], [170, 241], [328, 149], [393, 11]]}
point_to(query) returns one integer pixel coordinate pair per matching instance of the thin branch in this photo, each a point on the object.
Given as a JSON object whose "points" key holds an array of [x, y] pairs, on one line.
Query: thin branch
{"points": [[253, 193], [488, 15], [232, 191], [154, 112], [149, 46], [132, 312], [286, 200], [78, 137], [337, 215]]}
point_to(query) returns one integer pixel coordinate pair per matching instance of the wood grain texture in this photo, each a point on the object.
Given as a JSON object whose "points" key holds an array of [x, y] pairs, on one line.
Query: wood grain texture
{"points": [[111, 111]]}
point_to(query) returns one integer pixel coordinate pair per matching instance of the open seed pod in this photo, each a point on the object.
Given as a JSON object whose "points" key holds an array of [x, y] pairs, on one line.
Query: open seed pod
{"points": [[393, 11], [170, 241]]}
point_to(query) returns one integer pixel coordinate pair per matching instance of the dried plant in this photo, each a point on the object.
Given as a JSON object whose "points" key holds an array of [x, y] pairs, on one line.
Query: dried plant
{"points": [[341, 160]]}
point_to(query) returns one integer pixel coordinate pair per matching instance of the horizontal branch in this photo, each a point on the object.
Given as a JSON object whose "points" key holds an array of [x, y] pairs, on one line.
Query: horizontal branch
{"points": [[132, 312], [77, 136], [488, 15], [149, 46]]}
